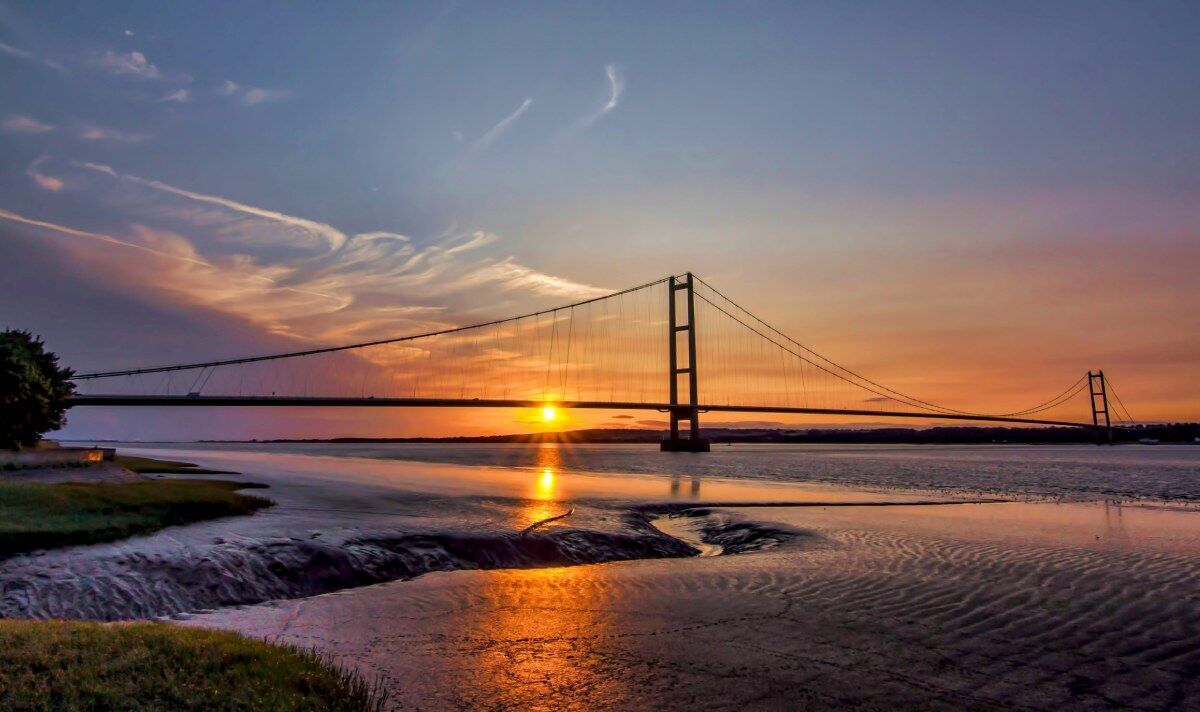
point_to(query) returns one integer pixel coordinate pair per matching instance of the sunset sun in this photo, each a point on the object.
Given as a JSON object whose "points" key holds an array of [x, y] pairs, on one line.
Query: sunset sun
{"points": [[549, 414]]}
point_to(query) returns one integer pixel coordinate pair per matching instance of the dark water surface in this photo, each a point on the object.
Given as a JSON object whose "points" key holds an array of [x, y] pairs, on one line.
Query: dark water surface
{"points": [[1073, 472]]}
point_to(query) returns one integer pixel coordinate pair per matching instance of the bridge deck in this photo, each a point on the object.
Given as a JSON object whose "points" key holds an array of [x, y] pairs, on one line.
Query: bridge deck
{"points": [[294, 401]]}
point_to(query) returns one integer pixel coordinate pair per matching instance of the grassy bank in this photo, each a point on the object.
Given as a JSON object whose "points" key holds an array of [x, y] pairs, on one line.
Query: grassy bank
{"points": [[40, 516], [147, 465], [58, 665]]}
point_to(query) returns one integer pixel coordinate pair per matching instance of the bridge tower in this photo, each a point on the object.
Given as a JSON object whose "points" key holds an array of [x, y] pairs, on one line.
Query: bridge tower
{"points": [[683, 411], [1099, 390]]}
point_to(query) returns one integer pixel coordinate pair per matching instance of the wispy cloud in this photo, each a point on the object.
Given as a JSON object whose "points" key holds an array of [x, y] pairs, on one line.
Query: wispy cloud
{"points": [[251, 96], [479, 239], [25, 124], [132, 64], [28, 56], [81, 130], [330, 235], [15, 51], [505, 123], [298, 276], [14, 217], [46, 182], [178, 96], [257, 95], [616, 88], [235, 286], [518, 276], [92, 132]]}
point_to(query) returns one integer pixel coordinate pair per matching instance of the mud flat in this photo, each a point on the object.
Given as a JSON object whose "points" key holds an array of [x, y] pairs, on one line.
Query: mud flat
{"points": [[346, 522], [964, 606], [810, 593]]}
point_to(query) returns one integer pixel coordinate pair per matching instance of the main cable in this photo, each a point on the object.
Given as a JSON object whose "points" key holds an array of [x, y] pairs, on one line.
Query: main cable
{"points": [[381, 342], [891, 392]]}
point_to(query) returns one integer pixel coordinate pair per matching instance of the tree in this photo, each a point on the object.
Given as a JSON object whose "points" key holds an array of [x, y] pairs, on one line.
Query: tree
{"points": [[33, 389]]}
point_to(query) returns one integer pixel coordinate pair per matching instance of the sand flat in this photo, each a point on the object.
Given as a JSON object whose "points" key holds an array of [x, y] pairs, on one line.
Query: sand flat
{"points": [[963, 606]]}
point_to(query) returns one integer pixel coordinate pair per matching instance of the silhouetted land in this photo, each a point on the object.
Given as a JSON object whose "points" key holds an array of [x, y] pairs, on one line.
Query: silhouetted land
{"points": [[1170, 433]]}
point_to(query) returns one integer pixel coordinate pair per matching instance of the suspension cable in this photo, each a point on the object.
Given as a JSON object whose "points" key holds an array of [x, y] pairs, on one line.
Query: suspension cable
{"points": [[891, 393], [331, 349], [1109, 383], [1061, 398], [792, 352]]}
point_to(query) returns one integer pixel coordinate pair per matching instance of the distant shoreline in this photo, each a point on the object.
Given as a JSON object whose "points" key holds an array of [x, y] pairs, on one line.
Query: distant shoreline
{"points": [[941, 435]]}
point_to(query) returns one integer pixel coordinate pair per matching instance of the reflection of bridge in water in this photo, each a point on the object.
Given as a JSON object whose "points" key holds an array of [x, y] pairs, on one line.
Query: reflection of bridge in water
{"points": [[694, 491], [675, 345]]}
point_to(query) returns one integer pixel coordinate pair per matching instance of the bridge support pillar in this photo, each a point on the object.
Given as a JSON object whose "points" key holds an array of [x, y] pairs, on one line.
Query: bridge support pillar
{"points": [[1099, 402], [689, 411]]}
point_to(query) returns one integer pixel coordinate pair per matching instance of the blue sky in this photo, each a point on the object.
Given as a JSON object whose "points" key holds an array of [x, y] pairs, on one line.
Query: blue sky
{"points": [[856, 170]]}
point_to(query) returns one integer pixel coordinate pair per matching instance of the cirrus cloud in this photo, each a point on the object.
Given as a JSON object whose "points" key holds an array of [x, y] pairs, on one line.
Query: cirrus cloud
{"points": [[503, 125], [616, 88], [292, 275], [25, 124], [93, 132], [178, 96], [251, 96], [131, 64], [28, 56], [43, 181]]}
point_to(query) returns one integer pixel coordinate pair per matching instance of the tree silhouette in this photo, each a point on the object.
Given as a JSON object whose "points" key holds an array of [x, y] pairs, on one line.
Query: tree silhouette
{"points": [[33, 389]]}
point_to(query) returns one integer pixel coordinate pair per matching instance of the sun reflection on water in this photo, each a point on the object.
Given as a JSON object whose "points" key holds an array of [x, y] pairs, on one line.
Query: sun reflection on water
{"points": [[543, 495], [545, 484]]}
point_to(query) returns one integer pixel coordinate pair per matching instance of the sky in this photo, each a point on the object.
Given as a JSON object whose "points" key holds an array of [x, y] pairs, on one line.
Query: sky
{"points": [[975, 203]]}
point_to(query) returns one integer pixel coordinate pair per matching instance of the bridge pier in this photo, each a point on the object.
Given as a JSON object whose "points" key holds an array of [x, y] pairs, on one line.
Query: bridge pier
{"points": [[693, 442], [687, 411]]}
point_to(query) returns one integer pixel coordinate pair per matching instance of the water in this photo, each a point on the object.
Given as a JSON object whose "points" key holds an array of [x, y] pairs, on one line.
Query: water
{"points": [[1072, 472], [347, 515]]}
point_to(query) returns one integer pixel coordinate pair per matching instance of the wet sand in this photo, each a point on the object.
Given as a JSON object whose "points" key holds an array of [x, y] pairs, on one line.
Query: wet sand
{"points": [[1016, 604], [873, 607], [850, 598]]}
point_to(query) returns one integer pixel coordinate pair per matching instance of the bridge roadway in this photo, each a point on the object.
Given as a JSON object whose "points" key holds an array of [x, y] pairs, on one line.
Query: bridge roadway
{"points": [[306, 401]]}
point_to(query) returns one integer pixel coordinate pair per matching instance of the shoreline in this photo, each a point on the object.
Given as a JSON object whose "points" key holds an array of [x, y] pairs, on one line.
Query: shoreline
{"points": [[859, 434]]}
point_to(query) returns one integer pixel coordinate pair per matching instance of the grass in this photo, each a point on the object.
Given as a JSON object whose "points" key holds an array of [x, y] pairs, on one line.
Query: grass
{"points": [[61, 665], [42, 516], [145, 465]]}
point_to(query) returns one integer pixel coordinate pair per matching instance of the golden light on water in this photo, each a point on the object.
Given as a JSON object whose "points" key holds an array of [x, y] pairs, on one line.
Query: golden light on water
{"points": [[545, 484], [544, 493]]}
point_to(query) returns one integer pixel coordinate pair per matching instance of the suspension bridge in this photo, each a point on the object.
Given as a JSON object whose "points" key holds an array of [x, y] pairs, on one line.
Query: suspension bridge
{"points": [[676, 345]]}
